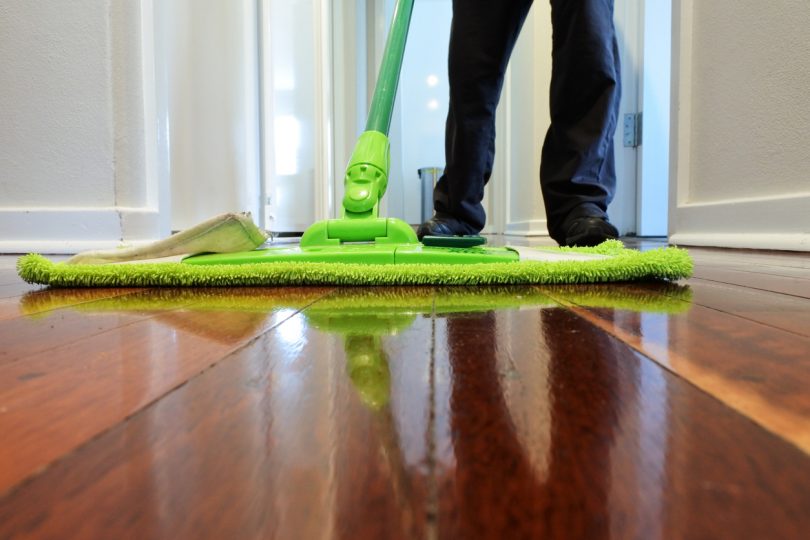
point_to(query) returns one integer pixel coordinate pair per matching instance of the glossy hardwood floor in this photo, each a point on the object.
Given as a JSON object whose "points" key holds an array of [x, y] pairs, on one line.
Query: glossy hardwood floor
{"points": [[620, 411]]}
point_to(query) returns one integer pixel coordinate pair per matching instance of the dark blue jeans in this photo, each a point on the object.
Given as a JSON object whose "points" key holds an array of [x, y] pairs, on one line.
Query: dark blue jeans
{"points": [[577, 175]]}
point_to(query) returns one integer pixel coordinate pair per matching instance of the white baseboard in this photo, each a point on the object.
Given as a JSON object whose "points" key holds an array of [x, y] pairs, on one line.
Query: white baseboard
{"points": [[536, 227], [70, 230], [762, 223], [786, 242]]}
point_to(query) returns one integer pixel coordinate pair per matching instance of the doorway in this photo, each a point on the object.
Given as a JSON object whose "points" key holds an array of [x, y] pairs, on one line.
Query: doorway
{"points": [[417, 138]]}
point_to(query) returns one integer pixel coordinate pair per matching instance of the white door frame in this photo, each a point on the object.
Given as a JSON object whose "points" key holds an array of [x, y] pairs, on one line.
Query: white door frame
{"points": [[654, 102]]}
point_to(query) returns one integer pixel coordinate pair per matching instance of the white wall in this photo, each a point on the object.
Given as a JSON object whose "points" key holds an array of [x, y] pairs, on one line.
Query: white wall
{"points": [[75, 171], [741, 119], [124, 120]]}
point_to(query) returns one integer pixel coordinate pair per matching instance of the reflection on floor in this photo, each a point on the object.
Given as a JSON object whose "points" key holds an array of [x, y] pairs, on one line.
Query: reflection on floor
{"points": [[629, 410]]}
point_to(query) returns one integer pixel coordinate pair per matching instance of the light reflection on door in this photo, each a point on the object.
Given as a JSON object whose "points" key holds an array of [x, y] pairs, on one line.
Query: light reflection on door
{"points": [[291, 121]]}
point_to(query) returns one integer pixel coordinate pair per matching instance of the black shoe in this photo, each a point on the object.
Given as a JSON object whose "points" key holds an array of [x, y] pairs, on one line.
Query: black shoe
{"points": [[440, 226], [588, 231]]}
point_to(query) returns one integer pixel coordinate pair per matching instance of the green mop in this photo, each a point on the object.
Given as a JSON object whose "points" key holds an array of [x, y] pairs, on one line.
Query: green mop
{"points": [[360, 248]]}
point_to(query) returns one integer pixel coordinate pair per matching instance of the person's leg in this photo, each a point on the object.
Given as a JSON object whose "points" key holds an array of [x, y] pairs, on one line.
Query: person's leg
{"points": [[482, 37], [577, 174]]}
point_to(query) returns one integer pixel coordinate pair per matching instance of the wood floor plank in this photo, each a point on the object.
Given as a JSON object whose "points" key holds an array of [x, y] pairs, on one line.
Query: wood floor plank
{"points": [[747, 267], [758, 370], [9, 279], [317, 429], [38, 302], [52, 330], [765, 282], [786, 312], [547, 427], [8, 271], [15, 290], [54, 318], [646, 411], [718, 256], [52, 402]]}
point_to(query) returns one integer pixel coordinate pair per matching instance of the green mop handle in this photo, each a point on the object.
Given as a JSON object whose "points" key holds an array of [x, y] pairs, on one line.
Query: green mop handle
{"points": [[367, 173], [382, 105]]}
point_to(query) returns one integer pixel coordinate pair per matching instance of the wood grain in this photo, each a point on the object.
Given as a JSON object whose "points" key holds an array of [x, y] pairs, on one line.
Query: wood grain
{"points": [[722, 257], [628, 411], [14, 290], [760, 371], [44, 331], [553, 429], [54, 401], [780, 311], [40, 301], [795, 286], [301, 434]]}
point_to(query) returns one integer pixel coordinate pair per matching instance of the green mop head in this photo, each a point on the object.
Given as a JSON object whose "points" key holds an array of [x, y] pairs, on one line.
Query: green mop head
{"points": [[616, 264]]}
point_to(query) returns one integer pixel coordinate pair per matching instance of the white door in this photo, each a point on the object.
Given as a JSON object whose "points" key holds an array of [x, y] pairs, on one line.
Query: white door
{"points": [[207, 85], [417, 132], [296, 102]]}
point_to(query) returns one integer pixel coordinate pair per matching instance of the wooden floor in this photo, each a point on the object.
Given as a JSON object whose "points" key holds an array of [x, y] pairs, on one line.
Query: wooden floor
{"points": [[622, 411]]}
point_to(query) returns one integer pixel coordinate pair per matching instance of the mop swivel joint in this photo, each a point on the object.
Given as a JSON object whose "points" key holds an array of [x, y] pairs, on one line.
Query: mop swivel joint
{"points": [[366, 181], [367, 175]]}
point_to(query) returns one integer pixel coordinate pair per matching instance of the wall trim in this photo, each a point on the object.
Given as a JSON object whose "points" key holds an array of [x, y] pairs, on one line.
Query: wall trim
{"points": [[786, 242], [69, 230], [534, 227], [755, 223], [680, 111]]}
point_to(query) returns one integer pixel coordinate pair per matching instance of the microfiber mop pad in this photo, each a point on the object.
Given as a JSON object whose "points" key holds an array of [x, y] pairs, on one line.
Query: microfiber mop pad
{"points": [[616, 263]]}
